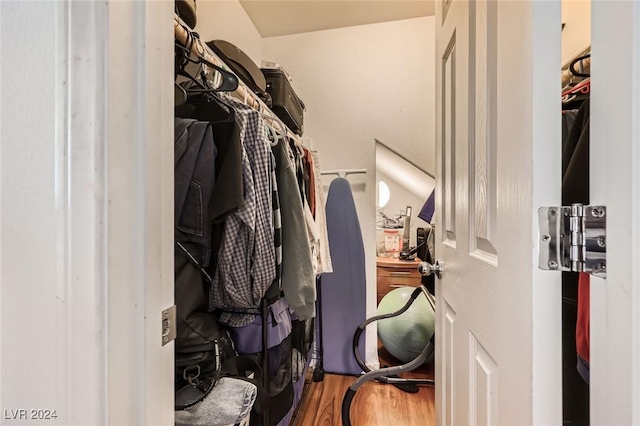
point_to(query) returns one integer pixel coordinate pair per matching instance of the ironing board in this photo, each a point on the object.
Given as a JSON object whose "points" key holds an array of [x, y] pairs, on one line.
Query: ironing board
{"points": [[343, 294]]}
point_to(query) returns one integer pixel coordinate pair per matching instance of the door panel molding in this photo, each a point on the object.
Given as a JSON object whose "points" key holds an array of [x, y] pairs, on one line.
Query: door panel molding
{"points": [[445, 7], [449, 71], [482, 141], [446, 363], [483, 385]]}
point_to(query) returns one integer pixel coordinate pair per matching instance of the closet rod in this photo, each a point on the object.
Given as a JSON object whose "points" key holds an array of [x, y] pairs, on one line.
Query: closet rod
{"points": [[586, 66], [343, 173], [183, 33]]}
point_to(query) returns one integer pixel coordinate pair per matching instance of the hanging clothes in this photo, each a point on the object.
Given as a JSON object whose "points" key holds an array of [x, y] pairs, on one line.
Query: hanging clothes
{"points": [[324, 255], [298, 279], [194, 170], [575, 189], [228, 190], [575, 288], [250, 240], [313, 235], [246, 262], [575, 160], [194, 165], [309, 166], [583, 325], [301, 173], [273, 293]]}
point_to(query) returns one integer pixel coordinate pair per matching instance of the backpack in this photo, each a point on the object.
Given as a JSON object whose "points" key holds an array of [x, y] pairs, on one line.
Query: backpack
{"points": [[204, 350], [197, 371]]}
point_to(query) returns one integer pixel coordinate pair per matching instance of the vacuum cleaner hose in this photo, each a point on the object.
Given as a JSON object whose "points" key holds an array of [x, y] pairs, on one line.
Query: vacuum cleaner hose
{"points": [[373, 375], [363, 326], [346, 406], [383, 374]]}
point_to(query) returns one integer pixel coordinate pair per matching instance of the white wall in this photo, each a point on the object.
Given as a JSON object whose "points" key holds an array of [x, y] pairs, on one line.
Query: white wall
{"points": [[365, 82], [576, 14], [361, 83], [227, 20]]}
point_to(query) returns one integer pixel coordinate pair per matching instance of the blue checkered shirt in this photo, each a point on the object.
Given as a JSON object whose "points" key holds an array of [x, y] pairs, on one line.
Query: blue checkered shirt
{"points": [[246, 259]]}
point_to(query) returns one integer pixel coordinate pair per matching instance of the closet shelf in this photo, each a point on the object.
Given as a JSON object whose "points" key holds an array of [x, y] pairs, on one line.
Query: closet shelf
{"points": [[183, 33]]}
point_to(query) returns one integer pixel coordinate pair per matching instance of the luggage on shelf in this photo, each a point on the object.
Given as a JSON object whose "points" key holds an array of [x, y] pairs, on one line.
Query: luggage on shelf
{"points": [[285, 103]]}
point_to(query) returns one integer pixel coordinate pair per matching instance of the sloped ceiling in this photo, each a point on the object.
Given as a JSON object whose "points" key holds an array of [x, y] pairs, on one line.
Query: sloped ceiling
{"points": [[276, 18]]}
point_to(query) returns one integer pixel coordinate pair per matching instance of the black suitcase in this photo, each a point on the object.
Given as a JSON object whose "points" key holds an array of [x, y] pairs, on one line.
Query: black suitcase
{"points": [[285, 103], [242, 65]]}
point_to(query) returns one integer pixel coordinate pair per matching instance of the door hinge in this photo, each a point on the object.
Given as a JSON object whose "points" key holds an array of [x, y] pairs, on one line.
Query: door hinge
{"points": [[169, 327], [573, 238]]}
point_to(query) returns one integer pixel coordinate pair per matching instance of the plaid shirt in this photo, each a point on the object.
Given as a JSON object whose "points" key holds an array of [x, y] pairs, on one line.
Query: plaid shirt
{"points": [[246, 259]]}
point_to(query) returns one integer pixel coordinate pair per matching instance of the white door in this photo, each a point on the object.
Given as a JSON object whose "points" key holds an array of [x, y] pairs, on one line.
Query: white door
{"points": [[498, 348], [615, 183]]}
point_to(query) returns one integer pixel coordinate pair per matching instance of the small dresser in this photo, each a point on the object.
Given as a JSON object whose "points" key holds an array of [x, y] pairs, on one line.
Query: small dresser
{"points": [[393, 273]]}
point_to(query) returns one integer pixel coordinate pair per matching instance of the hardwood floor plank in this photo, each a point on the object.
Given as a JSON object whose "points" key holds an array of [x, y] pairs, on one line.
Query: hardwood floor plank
{"points": [[375, 404]]}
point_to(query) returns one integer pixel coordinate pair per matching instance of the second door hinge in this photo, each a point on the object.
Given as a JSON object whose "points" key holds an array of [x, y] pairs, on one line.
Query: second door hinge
{"points": [[573, 238]]}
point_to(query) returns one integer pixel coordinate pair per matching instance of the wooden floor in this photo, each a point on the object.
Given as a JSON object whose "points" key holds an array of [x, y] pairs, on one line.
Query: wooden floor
{"points": [[375, 404]]}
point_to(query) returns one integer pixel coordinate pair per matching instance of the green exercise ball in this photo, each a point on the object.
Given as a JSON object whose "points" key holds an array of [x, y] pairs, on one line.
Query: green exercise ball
{"points": [[406, 335]]}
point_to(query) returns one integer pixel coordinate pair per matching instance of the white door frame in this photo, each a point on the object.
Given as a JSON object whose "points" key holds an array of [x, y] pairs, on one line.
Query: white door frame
{"points": [[139, 187], [99, 158], [116, 165], [615, 183]]}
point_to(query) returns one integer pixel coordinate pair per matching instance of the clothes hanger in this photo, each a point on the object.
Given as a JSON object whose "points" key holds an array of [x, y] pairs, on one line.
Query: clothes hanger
{"points": [[583, 87], [182, 60], [575, 61], [569, 84], [273, 135], [229, 81], [272, 131], [278, 137], [577, 92], [203, 104]]}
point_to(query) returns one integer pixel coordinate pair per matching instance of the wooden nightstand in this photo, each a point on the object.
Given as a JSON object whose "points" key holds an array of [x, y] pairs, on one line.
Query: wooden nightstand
{"points": [[393, 273]]}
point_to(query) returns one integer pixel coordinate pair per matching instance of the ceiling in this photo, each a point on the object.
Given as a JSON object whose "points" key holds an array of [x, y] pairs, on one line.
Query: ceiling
{"points": [[284, 17]]}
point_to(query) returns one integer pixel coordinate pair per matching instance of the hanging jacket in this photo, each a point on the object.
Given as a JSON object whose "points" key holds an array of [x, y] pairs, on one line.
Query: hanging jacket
{"points": [[575, 189], [194, 179], [298, 279]]}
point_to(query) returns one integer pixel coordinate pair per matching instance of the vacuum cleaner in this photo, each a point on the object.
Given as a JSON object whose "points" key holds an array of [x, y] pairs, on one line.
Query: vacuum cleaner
{"points": [[384, 375]]}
